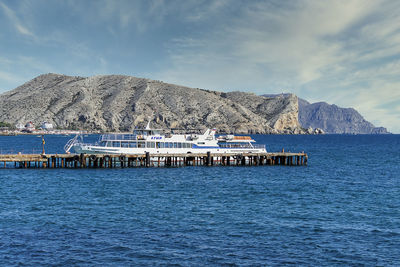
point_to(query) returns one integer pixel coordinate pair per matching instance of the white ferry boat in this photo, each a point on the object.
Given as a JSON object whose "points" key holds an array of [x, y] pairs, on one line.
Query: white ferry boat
{"points": [[155, 141]]}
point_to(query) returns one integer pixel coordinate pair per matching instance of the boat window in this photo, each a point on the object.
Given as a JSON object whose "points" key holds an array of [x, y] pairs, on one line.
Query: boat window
{"points": [[200, 143], [109, 144], [175, 145], [132, 144], [171, 145], [179, 145], [141, 144], [162, 144], [124, 144], [151, 144], [116, 144]]}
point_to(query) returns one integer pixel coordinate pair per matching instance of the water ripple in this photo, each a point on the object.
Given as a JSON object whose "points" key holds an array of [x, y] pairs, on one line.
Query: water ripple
{"points": [[340, 210]]}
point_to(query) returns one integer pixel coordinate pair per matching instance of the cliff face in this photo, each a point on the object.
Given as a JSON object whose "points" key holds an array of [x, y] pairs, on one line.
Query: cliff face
{"points": [[334, 119], [119, 103], [281, 112]]}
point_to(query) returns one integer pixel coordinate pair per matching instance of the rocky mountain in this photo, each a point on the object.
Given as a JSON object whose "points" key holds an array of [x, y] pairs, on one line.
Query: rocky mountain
{"points": [[324, 118], [119, 103], [334, 119]]}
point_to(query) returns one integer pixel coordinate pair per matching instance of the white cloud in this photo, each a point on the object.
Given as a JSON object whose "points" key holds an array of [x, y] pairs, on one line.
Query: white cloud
{"points": [[197, 11], [342, 52], [16, 22], [10, 77], [122, 15], [336, 51]]}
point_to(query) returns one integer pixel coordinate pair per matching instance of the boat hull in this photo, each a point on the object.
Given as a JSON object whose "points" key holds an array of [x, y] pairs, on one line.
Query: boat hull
{"points": [[88, 149]]}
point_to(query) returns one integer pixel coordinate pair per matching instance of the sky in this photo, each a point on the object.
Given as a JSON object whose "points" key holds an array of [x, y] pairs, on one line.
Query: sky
{"points": [[342, 52]]}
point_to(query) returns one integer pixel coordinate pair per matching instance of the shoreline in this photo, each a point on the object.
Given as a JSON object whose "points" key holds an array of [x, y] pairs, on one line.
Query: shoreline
{"points": [[89, 132], [61, 132]]}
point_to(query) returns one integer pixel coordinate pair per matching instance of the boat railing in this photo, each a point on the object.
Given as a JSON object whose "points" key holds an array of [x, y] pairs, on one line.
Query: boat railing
{"points": [[72, 142], [117, 137], [244, 145]]}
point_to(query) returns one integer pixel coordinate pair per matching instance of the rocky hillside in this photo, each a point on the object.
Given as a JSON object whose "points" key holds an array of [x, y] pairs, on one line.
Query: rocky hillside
{"points": [[119, 103], [334, 119]]}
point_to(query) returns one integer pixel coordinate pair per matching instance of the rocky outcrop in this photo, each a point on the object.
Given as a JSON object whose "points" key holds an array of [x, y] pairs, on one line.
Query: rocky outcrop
{"points": [[281, 111], [310, 130], [119, 103], [335, 120]]}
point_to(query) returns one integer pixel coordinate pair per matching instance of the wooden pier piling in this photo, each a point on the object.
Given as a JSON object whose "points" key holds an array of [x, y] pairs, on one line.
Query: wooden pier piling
{"points": [[54, 161]]}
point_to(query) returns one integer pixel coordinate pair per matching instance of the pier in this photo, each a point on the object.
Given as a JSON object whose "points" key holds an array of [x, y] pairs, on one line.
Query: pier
{"points": [[150, 160]]}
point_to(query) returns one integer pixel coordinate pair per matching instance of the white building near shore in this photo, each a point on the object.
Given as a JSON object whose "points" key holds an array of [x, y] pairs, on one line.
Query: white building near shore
{"points": [[19, 126], [47, 126]]}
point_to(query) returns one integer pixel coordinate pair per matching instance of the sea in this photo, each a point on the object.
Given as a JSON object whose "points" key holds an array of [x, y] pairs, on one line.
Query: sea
{"points": [[342, 209]]}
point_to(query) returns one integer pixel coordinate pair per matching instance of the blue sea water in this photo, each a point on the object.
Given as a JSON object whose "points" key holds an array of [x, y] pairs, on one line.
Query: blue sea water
{"points": [[342, 209]]}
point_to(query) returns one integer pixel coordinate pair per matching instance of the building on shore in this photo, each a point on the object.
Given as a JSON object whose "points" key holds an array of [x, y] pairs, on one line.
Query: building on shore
{"points": [[29, 127], [47, 126], [19, 127]]}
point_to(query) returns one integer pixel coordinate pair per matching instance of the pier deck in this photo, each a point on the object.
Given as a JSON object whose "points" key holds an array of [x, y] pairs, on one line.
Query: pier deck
{"points": [[150, 160]]}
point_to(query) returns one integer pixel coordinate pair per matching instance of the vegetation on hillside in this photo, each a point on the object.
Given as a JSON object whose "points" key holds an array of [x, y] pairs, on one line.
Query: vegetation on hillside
{"points": [[5, 124]]}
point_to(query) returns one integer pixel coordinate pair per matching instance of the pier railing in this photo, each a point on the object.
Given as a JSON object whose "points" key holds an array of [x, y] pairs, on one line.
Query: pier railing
{"points": [[19, 151]]}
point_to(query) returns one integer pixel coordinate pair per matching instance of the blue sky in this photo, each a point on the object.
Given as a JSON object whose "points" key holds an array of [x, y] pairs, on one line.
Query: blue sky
{"points": [[341, 52]]}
